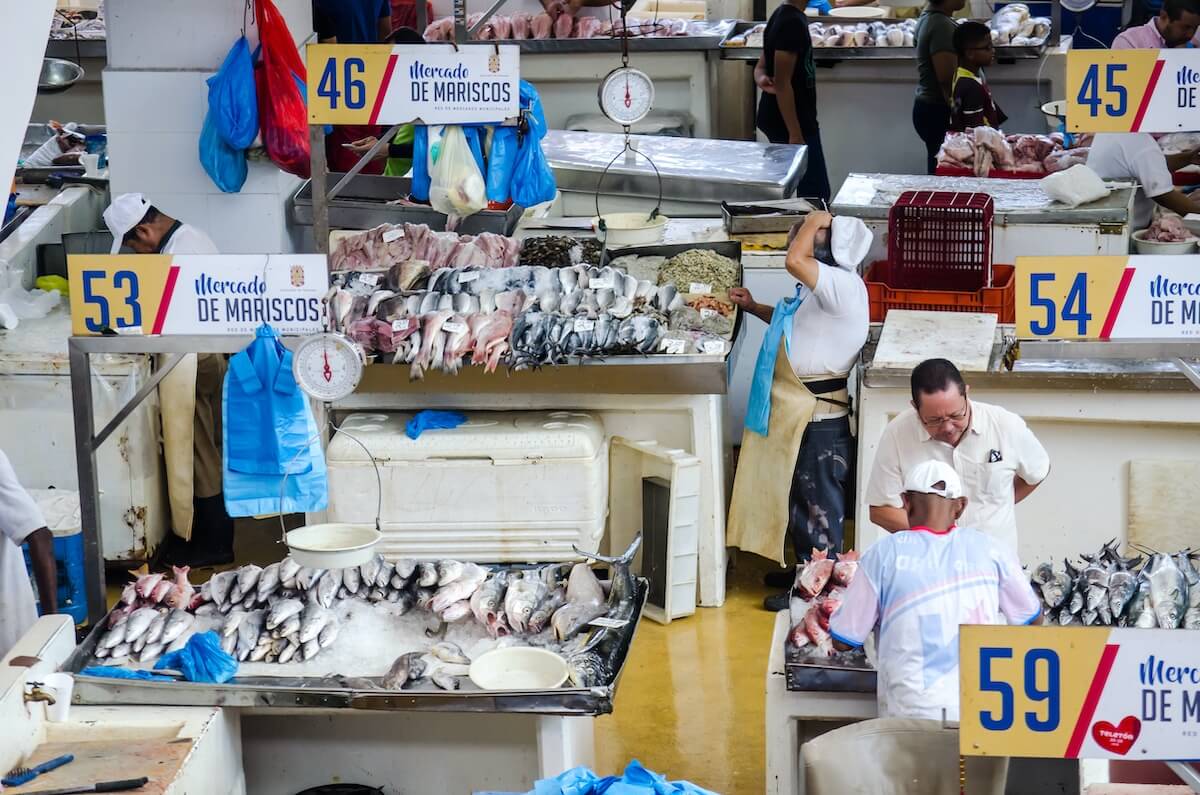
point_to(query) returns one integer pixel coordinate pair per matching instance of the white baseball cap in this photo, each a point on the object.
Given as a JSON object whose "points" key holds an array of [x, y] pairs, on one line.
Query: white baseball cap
{"points": [[850, 240], [125, 212], [925, 478]]}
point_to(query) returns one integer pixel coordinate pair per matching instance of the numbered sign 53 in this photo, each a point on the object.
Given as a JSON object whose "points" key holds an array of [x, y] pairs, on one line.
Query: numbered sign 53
{"points": [[1133, 90]]}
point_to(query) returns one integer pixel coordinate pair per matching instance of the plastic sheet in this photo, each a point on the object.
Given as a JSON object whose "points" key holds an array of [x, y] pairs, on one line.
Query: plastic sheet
{"points": [[636, 780]]}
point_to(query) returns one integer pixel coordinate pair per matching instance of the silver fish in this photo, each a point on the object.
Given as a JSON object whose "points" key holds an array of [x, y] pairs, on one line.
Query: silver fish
{"points": [[177, 622], [288, 569], [150, 652], [236, 594], [229, 644], [448, 571], [444, 679], [470, 577], [1141, 610], [328, 634], [312, 621], [288, 628], [427, 574], [1121, 585], [268, 582], [383, 577], [249, 632], [456, 612], [370, 570], [449, 652], [585, 601], [398, 582], [220, 585], [1168, 591], [288, 652], [326, 589], [351, 579], [259, 653], [138, 622], [154, 632], [407, 668], [489, 597], [522, 597], [120, 651], [376, 595], [307, 578], [282, 611], [311, 649], [115, 636], [405, 568], [546, 608], [230, 627], [248, 578]]}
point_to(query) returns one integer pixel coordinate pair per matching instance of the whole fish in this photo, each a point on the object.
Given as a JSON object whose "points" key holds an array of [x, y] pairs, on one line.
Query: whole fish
{"points": [[812, 576], [456, 612], [288, 569], [307, 579], [469, 577], [369, 571], [383, 577], [351, 579], [1056, 590], [115, 636], [268, 582], [1141, 609], [310, 649], [129, 595], [177, 622], [585, 601], [845, 567], [427, 574], [407, 668], [405, 568], [398, 582], [819, 634], [497, 625], [288, 652], [230, 626], [588, 669], [248, 578], [283, 610], [328, 634], [377, 595], [249, 632], [444, 679], [120, 651], [139, 621], [546, 608], [220, 585], [1168, 591], [150, 652], [522, 597], [147, 583], [1077, 601], [161, 591], [154, 632], [450, 653], [288, 628], [448, 571], [326, 589], [1121, 585], [312, 621], [622, 594]]}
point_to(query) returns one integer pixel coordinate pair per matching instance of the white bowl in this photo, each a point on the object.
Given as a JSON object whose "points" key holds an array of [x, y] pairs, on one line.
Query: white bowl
{"points": [[1055, 113], [858, 12], [1143, 246], [332, 546], [630, 229], [1192, 222], [518, 668]]}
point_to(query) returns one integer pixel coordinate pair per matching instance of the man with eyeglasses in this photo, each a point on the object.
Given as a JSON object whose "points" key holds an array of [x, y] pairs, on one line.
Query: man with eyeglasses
{"points": [[998, 458]]}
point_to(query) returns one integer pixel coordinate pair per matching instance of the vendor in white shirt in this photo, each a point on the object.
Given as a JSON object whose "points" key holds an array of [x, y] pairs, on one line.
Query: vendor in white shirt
{"points": [[797, 457], [21, 523], [998, 458], [1137, 157]]}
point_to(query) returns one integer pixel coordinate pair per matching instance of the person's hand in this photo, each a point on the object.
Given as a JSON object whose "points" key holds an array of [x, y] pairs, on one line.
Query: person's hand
{"points": [[1194, 157], [362, 145], [765, 83], [818, 219], [796, 140], [742, 298]]}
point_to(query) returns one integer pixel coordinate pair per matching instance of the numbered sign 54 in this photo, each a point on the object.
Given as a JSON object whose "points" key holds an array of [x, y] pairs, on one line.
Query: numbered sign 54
{"points": [[1067, 297]]}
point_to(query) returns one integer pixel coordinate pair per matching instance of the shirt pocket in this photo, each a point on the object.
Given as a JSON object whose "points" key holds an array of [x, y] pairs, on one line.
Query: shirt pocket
{"points": [[988, 483]]}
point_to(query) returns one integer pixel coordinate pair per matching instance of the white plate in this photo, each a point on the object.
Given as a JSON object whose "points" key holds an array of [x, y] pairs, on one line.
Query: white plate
{"points": [[518, 668], [332, 546]]}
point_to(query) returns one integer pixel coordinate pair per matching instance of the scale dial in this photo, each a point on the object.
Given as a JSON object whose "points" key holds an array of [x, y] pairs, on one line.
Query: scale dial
{"points": [[626, 95], [327, 367]]}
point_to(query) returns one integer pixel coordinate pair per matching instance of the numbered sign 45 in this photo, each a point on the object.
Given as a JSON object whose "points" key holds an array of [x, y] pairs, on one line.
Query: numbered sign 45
{"points": [[1133, 90], [1076, 692], [1141, 297]]}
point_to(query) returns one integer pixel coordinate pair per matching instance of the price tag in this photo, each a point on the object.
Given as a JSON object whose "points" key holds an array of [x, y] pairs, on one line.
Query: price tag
{"points": [[674, 346], [1078, 692], [700, 287], [712, 346], [436, 83], [1140, 297], [609, 623], [393, 234], [369, 279], [454, 327], [1133, 90], [584, 324], [707, 313], [401, 324], [468, 276]]}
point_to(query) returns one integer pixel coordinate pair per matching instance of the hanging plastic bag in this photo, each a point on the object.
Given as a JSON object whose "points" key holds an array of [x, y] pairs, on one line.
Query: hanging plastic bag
{"points": [[502, 160], [283, 116], [531, 104], [232, 99], [420, 166], [758, 407], [475, 142], [532, 180], [224, 164], [456, 183]]}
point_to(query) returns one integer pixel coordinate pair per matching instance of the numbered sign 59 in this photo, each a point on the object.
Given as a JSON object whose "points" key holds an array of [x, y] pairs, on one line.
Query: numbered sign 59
{"points": [[1075, 692], [1133, 90], [1141, 297]]}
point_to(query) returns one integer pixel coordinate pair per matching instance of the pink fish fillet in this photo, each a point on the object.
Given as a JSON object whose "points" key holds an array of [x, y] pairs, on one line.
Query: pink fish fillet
{"points": [[815, 574], [503, 27], [563, 26], [458, 344], [520, 26], [541, 26], [431, 329], [487, 331], [495, 354], [846, 566], [822, 641]]}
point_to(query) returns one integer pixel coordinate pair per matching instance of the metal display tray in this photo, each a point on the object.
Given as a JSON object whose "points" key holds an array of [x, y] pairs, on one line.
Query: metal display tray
{"points": [[741, 220], [363, 204], [740, 52], [805, 674], [608, 44], [327, 693]]}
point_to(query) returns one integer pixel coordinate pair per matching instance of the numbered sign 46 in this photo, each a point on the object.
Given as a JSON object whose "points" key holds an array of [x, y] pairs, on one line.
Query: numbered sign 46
{"points": [[1133, 90], [1141, 297], [1075, 692]]}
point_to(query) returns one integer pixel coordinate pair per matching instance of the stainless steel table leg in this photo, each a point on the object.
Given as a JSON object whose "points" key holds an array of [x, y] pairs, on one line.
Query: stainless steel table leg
{"points": [[89, 485]]}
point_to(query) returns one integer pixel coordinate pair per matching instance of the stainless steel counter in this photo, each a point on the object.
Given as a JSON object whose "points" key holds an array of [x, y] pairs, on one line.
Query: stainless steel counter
{"points": [[692, 169]]}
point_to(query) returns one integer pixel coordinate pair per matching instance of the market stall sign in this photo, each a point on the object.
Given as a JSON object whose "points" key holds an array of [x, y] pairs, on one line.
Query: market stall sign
{"points": [[1079, 692], [433, 83], [195, 294], [1138, 297], [1133, 90]]}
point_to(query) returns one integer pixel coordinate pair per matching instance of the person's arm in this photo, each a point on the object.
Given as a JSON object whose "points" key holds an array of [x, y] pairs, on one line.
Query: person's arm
{"points": [[785, 67], [1021, 489], [886, 483], [765, 82], [383, 16], [45, 571], [800, 261], [945, 64], [891, 519], [1177, 202], [742, 298], [1018, 601], [856, 616], [1183, 159]]}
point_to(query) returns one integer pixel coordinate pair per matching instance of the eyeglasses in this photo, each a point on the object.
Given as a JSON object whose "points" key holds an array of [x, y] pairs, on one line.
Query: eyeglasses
{"points": [[957, 416]]}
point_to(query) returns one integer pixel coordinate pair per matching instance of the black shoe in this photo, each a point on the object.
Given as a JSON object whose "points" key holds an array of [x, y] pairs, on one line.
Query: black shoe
{"points": [[780, 578], [777, 602]]}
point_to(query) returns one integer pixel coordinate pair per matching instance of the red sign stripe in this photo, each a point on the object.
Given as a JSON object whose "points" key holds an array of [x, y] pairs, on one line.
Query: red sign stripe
{"points": [[1145, 103], [1115, 309], [1088, 710], [383, 88], [165, 303]]}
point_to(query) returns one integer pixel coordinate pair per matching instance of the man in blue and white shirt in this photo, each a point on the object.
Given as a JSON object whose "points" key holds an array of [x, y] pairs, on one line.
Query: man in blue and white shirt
{"points": [[916, 587]]}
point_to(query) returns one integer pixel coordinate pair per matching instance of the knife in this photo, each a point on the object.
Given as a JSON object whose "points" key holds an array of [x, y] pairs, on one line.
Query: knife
{"points": [[102, 786]]}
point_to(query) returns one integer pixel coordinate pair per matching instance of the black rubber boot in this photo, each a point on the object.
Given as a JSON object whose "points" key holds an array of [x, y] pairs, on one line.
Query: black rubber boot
{"points": [[777, 602]]}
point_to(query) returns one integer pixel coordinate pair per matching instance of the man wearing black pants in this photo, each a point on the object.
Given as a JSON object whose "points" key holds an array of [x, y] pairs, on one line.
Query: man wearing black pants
{"points": [[937, 61]]}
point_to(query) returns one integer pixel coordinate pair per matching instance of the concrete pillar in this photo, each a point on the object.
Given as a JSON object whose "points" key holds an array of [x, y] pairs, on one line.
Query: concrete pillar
{"points": [[160, 52]]}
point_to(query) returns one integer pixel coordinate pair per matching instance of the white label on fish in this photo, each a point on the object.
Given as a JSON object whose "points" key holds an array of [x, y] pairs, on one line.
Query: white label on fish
{"points": [[705, 314], [454, 327], [369, 279], [601, 282], [609, 623], [675, 346], [467, 276], [584, 324], [400, 325], [712, 346], [393, 234], [700, 287]]}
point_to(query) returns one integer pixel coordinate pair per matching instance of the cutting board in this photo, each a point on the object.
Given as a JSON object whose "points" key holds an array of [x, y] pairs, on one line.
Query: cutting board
{"points": [[910, 337], [1162, 512]]}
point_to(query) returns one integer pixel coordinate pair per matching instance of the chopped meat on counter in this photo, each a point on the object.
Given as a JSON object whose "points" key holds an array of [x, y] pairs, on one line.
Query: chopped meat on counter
{"points": [[1063, 159]]}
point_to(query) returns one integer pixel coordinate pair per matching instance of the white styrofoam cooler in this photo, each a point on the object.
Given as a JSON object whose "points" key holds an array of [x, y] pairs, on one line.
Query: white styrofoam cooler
{"points": [[502, 487]]}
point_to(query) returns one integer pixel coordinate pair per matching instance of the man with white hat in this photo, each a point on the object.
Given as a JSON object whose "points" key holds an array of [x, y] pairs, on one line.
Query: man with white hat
{"points": [[915, 587], [190, 398], [797, 456]]}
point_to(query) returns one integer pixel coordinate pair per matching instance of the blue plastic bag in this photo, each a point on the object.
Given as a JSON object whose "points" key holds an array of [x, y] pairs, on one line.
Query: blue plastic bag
{"points": [[820, 6], [201, 660], [420, 166], [502, 161], [636, 780], [117, 672], [225, 165], [431, 419], [758, 408], [532, 180], [232, 97], [475, 137], [531, 103]]}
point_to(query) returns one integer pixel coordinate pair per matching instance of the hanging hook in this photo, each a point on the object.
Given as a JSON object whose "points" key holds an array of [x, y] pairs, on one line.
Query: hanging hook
{"points": [[249, 7]]}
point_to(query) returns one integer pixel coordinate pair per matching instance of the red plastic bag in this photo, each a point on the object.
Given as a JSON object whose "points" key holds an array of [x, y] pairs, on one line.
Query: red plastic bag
{"points": [[279, 76]]}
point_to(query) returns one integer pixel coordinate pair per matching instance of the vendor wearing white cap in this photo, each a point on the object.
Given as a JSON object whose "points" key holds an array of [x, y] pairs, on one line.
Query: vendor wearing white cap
{"points": [[998, 458], [916, 587], [190, 398], [797, 456]]}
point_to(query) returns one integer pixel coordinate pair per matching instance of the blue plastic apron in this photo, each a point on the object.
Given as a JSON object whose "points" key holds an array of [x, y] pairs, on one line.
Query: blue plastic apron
{"points": [[758, 408]]}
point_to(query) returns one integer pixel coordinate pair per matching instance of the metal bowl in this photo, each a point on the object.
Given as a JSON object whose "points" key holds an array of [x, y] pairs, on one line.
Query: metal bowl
{"points": [[58, 75]]}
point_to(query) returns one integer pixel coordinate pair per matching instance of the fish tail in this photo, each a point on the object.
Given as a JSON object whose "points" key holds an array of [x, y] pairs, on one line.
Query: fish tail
{"points": [[625, 558]]}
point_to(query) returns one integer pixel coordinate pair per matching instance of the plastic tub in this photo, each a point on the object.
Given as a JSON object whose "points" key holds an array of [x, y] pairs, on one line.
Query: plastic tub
{"points": [[332, 546], [518, 668], [630, 229], [1143, 246]]}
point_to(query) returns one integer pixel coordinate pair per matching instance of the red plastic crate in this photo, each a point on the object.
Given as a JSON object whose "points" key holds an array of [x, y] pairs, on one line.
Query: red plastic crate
{"points": [[1000, 299], [940, 240]]}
